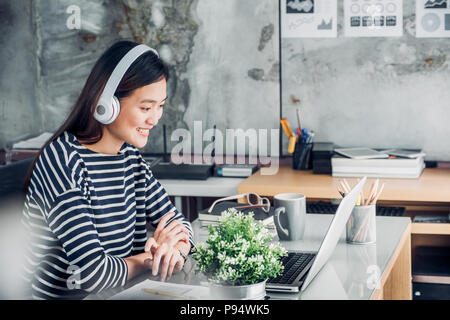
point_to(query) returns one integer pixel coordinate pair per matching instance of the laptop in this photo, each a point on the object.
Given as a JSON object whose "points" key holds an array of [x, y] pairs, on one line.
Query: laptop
{"points": [[300, 268]]}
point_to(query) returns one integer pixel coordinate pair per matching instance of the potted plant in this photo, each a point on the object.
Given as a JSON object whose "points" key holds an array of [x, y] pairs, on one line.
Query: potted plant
{"points": [[238, 257]]}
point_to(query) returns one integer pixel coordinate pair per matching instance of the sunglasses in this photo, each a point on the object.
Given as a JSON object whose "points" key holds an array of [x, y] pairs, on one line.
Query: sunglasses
{"points": [[253, 200]]}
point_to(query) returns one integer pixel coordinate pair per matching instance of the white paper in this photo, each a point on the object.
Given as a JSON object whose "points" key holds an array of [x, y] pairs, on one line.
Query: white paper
{"points": [[167, 291], [373, 18], [33, 143], [432, 18], [308, 18]]}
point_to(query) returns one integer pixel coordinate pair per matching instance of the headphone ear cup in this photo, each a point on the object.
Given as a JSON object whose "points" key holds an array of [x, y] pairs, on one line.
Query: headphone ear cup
{"points": [[107, 111], [115, 108]]}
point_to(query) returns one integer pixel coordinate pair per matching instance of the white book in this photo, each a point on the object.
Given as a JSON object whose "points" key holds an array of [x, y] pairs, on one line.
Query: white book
{"points": [[361, 153], [376, 170], [338, 162], [413, 174], [389, 176], [405, 153]]}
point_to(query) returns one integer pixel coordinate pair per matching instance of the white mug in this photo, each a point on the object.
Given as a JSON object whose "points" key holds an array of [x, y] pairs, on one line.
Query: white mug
{"points": [[290, 215]]}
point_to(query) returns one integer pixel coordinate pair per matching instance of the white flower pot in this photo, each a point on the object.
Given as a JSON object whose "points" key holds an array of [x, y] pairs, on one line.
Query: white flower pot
{"points": [[255, 291]]}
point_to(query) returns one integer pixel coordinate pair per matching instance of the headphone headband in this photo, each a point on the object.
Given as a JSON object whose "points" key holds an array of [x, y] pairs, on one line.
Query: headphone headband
{"points": [[108, 108], [122, 67]]}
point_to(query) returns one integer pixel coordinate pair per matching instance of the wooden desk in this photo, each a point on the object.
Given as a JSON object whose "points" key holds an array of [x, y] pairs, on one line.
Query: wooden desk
{"points": [[432, 187], [430, 194]]}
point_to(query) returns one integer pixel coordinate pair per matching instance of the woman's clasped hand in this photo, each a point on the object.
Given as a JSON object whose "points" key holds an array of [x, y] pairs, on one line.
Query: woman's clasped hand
{"points": [[165, 246]]}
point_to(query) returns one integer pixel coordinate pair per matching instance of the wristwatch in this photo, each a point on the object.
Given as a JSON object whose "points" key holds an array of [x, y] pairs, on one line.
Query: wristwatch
{"points": [[183, 255]]}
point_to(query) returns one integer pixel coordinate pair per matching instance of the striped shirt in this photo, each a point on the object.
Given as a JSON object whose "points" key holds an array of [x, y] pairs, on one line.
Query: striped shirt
{"points": [[84, 213]]}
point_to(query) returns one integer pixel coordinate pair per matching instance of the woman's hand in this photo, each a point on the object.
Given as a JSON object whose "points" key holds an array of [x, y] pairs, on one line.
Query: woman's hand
{"points": [[172, 233], [166, 260], [163, 246]]}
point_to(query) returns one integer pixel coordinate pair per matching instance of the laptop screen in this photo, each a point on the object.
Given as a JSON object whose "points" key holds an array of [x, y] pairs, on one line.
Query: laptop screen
{"points": [[334, 231]]}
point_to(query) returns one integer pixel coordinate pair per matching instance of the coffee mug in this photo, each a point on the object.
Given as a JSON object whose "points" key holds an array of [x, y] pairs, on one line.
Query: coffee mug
{"points": [[290, 215]]}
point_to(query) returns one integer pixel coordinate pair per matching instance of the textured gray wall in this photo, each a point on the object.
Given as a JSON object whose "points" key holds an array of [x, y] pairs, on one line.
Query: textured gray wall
{"points": [[223, 59], [234, 71], [66, 56], [376, 92], [223, 55], [19, 112]]}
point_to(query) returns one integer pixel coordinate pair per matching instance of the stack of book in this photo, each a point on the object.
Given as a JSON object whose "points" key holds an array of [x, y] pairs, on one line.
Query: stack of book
{"points": [[377, 168], [212, 218]]}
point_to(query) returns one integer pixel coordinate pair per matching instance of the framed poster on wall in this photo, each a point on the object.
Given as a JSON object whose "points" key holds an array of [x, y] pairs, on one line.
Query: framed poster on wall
{"points": [[308, 18], [432, 18], [373, 18]]}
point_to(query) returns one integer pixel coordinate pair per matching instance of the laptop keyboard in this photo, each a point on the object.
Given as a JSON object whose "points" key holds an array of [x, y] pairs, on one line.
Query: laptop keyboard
{"points": [[293, 264], [326, 207]]}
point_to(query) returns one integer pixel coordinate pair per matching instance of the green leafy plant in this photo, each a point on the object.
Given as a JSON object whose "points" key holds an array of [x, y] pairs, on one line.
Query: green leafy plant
{"points": [[239, 251]]}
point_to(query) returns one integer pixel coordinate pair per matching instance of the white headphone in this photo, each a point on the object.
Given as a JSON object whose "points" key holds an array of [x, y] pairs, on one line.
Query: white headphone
{"points": [[108, 106]]}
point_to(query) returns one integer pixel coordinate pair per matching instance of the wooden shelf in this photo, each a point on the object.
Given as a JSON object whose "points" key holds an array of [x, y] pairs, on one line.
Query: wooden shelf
{"points": [[431, 228]]}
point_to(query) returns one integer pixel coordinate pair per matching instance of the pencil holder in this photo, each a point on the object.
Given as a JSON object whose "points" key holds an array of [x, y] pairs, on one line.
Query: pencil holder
{"points": [[302, 156], [361, 226]]}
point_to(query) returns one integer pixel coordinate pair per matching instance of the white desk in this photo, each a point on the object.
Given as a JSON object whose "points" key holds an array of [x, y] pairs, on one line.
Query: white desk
{"points": [[355, 272]]}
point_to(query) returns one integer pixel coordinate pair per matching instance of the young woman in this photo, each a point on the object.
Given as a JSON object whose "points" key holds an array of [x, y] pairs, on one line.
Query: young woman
{"points": [[90, 193]]}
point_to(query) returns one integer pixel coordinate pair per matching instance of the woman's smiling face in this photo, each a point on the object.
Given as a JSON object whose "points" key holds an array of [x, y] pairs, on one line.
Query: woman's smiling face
{"points": [[139, 113]]}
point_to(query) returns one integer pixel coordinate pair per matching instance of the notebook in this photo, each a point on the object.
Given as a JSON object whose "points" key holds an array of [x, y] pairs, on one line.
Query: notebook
{"points": [[361, 153], [302, 267], [258, 214]]}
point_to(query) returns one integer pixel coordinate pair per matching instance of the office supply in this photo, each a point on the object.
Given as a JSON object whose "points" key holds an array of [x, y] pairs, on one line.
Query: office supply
{"points": [[291, 207], [310, 137], [431, 219], [404, 153], [329, 242], [156, 290], [292, 143], [235, 170], [361, 153], [361, 226], [301, 159], [381, 168], [167, 170], [166, 294], [321, 157], [298, 122], [287, 128], [321, 207], [290, 134]]}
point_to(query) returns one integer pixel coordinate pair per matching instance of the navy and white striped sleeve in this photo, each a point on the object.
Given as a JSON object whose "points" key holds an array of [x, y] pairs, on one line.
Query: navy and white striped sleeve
{"points": [[71, 220], [69, 216], [158, 204]]}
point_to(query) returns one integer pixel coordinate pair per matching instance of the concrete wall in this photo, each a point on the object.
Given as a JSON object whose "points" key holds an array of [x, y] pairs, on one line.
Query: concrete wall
{"points": [[223, 55], [375, 92], [19, 110], [222, 58]]}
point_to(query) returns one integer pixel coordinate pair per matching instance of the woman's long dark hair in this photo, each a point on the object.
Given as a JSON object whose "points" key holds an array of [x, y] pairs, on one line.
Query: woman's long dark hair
{"points": [[147, 69]]}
